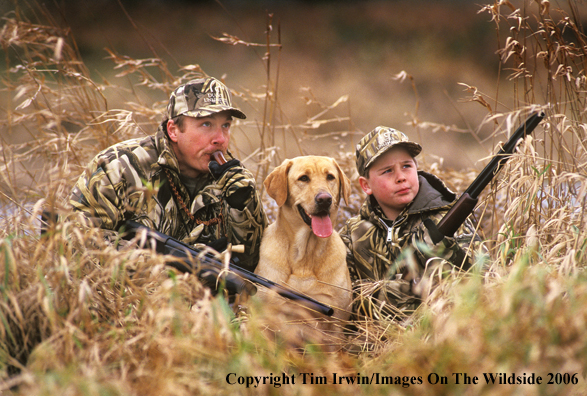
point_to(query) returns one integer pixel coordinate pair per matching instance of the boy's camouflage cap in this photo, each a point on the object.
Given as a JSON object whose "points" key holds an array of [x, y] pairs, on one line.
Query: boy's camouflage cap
{"points": [[200, 98], [377, 142]]}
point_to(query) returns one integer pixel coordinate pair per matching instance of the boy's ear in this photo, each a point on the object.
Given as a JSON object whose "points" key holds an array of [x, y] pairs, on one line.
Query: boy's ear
{"points": [[364, 182]]}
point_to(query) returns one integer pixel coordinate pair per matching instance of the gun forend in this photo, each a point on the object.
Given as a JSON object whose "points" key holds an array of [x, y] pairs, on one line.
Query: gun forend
{"points": [[457, 215]]}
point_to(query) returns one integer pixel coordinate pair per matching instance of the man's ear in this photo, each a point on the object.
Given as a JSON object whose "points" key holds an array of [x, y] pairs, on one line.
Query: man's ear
{"points": [[364, 182], [172, 130]]}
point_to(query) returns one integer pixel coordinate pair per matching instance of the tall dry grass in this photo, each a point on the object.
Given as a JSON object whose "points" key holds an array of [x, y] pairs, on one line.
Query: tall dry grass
{"points": [[78, 316]]}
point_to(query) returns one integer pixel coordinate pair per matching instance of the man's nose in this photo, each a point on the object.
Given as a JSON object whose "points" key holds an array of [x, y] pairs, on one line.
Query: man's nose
{"points": [[219, 136]]}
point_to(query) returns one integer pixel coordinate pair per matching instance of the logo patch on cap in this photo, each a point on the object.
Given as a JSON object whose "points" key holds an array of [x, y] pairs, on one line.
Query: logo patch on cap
{"points": [[201, 98], [386, 139]]}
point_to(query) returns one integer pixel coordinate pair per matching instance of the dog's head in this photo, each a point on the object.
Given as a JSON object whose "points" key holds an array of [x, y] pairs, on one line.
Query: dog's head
{"points": [[311, 186]]}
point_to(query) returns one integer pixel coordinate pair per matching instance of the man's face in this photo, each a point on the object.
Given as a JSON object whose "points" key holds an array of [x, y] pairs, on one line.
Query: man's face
{"points": [[393, 181], [200, 137]]}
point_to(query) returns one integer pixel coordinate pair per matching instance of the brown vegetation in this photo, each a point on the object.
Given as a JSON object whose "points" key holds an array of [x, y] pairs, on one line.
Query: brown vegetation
{"points": [[78, 316]]}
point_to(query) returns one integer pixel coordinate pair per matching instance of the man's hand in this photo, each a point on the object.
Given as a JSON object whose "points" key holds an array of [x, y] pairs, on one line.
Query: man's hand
{"points": [[234, 185], [219, 244], [218, 170]]}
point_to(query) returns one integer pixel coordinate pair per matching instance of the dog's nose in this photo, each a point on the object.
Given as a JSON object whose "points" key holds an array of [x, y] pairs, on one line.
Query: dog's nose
{"points": [[323, 200]]}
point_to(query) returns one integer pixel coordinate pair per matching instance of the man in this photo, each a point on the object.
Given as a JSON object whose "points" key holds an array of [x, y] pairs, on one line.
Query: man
{"points": [[170, 181], [391, 257]]}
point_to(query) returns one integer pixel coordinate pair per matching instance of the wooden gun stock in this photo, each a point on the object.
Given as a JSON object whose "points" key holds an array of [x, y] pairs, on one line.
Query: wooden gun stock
{"points": [[457, 215]]}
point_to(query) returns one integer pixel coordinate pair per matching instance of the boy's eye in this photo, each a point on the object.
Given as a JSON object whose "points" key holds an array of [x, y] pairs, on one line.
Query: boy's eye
{"points": [[227, 125], [304, 178]]}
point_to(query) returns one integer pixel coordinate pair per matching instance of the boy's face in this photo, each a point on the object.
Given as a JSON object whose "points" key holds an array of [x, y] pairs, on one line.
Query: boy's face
{"points": [[392, 180]]}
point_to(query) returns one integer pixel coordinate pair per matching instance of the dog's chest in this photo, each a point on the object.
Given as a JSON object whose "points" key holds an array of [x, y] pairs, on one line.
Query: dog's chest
{"points": [[305, 283]]}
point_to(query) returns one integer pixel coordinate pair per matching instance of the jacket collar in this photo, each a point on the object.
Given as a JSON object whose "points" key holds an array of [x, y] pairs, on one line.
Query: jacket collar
{"points": [[433, 194]]}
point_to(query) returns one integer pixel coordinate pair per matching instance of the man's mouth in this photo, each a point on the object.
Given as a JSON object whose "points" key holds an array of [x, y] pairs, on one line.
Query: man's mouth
{"points": [[320, 223], [217, 156]]}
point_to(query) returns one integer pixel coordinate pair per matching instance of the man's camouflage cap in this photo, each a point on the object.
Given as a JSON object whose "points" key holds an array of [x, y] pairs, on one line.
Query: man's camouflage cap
{"points": [[377, 142], [200, 98]]}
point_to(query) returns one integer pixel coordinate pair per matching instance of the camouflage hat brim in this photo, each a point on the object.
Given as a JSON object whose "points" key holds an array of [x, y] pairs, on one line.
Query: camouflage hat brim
{"points": [[413, 148], [209, 110]]}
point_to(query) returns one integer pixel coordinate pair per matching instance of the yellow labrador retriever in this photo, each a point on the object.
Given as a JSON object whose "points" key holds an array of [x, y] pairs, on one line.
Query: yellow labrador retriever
{"points": [[302, 250]]}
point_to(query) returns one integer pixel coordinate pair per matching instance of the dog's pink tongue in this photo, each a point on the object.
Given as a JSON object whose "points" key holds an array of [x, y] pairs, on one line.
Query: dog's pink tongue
{"points": [[322, 226]]}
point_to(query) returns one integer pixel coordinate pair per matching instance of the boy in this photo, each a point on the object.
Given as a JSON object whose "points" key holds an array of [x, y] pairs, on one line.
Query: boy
{"points": [[390, 255]]}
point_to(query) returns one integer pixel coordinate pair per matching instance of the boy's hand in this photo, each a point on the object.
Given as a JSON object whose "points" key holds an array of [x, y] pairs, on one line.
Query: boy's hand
{"points": [[430, 242], [441, 245], [435, 235]]}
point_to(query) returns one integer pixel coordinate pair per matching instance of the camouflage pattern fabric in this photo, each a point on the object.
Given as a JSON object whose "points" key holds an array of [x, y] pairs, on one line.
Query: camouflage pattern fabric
{"points": [[394, 264], [200, 98], [378, 141], [128, 181]]}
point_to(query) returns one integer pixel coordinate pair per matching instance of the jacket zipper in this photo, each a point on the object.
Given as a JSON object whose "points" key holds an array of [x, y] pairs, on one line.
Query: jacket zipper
{"points": [[390, 229]]}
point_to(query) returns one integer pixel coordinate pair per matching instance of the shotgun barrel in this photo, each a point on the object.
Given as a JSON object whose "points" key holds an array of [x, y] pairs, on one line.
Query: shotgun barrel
{"points": [[466, 203], [210, 269]]}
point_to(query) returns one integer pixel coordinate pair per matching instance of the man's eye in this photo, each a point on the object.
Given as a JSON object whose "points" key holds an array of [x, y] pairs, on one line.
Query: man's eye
{"points": [[304, 178], [227, 125]]}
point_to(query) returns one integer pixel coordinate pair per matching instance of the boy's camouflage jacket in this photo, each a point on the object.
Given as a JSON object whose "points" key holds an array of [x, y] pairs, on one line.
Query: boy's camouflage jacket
{"points": [[128, 180], [390, 262]]}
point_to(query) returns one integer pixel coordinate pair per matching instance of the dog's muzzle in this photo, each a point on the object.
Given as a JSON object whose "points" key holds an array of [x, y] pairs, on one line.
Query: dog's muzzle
{"points": [[319, 221]]}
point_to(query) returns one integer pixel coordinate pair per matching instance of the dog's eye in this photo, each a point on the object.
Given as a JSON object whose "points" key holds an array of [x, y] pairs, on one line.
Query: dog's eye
{"points": [[304, 178], [330, 177]]}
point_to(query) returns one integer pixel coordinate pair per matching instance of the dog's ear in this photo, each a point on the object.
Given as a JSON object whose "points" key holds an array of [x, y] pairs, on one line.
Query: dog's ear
{"points": [[276, 182], [345, 184]]}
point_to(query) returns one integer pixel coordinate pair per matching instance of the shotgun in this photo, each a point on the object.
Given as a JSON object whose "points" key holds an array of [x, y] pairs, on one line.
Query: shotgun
{"points": [[466, 203], [210, 270]]}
